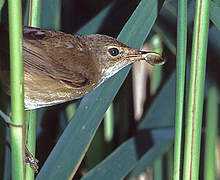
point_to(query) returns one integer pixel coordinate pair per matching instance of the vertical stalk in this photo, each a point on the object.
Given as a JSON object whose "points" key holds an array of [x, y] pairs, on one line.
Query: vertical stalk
{"points": [[30, 139], [34, 13], [17, 90], [196, 91], [70, 110], [157, 72], [180, 84], [34, 21], [109, 124], [156, 80], [211, 134]]}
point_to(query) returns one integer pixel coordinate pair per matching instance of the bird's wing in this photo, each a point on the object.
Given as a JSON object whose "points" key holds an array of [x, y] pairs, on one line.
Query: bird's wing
{"points": [[56, 55]]}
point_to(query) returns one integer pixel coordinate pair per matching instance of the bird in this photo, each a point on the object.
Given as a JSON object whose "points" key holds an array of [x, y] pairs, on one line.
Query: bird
{"points": [[60, 67]]}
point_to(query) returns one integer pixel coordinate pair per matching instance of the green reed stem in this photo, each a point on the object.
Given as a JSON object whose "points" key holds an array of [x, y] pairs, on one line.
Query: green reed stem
{"points": [[34, 21], [157, 70], [30, 139], [17, 90], [196, 91], [109, 124], [34, 13], [180, 84]]}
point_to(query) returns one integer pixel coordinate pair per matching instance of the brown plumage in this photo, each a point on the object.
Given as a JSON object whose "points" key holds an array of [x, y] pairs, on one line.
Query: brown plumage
{"points": [[60, 67]]}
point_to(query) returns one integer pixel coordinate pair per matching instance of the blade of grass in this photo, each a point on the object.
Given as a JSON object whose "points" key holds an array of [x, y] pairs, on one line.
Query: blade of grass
{"points": [[92, 27], [158, 149], [133, 28], [211, 134], [180, 84], [196, 91], [132, 152], [17, 89]]}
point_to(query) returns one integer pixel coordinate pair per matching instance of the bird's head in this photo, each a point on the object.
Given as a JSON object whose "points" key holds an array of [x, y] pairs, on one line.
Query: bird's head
{"points": [[113, 55]]}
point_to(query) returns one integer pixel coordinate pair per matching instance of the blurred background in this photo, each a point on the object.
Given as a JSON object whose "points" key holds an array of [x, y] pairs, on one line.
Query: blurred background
{"points": [[145, 103]]}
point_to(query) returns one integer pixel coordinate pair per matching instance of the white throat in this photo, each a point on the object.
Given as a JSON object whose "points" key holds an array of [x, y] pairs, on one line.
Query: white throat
{"points": [[108, 72]]}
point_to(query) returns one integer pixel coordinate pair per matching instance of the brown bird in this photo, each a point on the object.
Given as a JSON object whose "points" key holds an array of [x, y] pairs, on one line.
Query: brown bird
{"points": [[60, 67]]}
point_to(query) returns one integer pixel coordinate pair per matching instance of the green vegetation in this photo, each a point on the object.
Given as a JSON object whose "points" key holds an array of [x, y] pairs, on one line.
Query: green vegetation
{"points": [[183, 107]]}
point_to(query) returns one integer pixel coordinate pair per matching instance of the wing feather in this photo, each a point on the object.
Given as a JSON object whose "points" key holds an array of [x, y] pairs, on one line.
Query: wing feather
{"points": [[44, 53]]}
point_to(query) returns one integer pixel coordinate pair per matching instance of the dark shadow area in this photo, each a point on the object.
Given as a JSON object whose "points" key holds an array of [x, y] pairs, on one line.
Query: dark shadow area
{"points": [[75, 14]]}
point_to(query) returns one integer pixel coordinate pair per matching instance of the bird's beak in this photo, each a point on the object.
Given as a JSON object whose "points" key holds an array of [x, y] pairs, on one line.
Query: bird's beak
{"points": [[150, 57]]}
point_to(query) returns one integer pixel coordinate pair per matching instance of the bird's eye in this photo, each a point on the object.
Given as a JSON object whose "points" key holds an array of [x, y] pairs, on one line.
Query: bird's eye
{"points": [[113, 51]]}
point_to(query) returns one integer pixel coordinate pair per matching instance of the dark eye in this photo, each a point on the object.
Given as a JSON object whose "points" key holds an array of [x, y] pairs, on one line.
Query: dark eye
{"points": [[113, 51]]}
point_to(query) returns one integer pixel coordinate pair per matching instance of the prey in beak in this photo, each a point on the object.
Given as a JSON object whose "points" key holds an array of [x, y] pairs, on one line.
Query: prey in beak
{"points": [[152, 58]]}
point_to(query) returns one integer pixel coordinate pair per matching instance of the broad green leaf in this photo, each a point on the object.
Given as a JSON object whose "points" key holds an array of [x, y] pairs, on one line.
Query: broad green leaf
{"points": [[136, 31], [118, 164], [72, 145], [93, 27], [150, 156]]}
